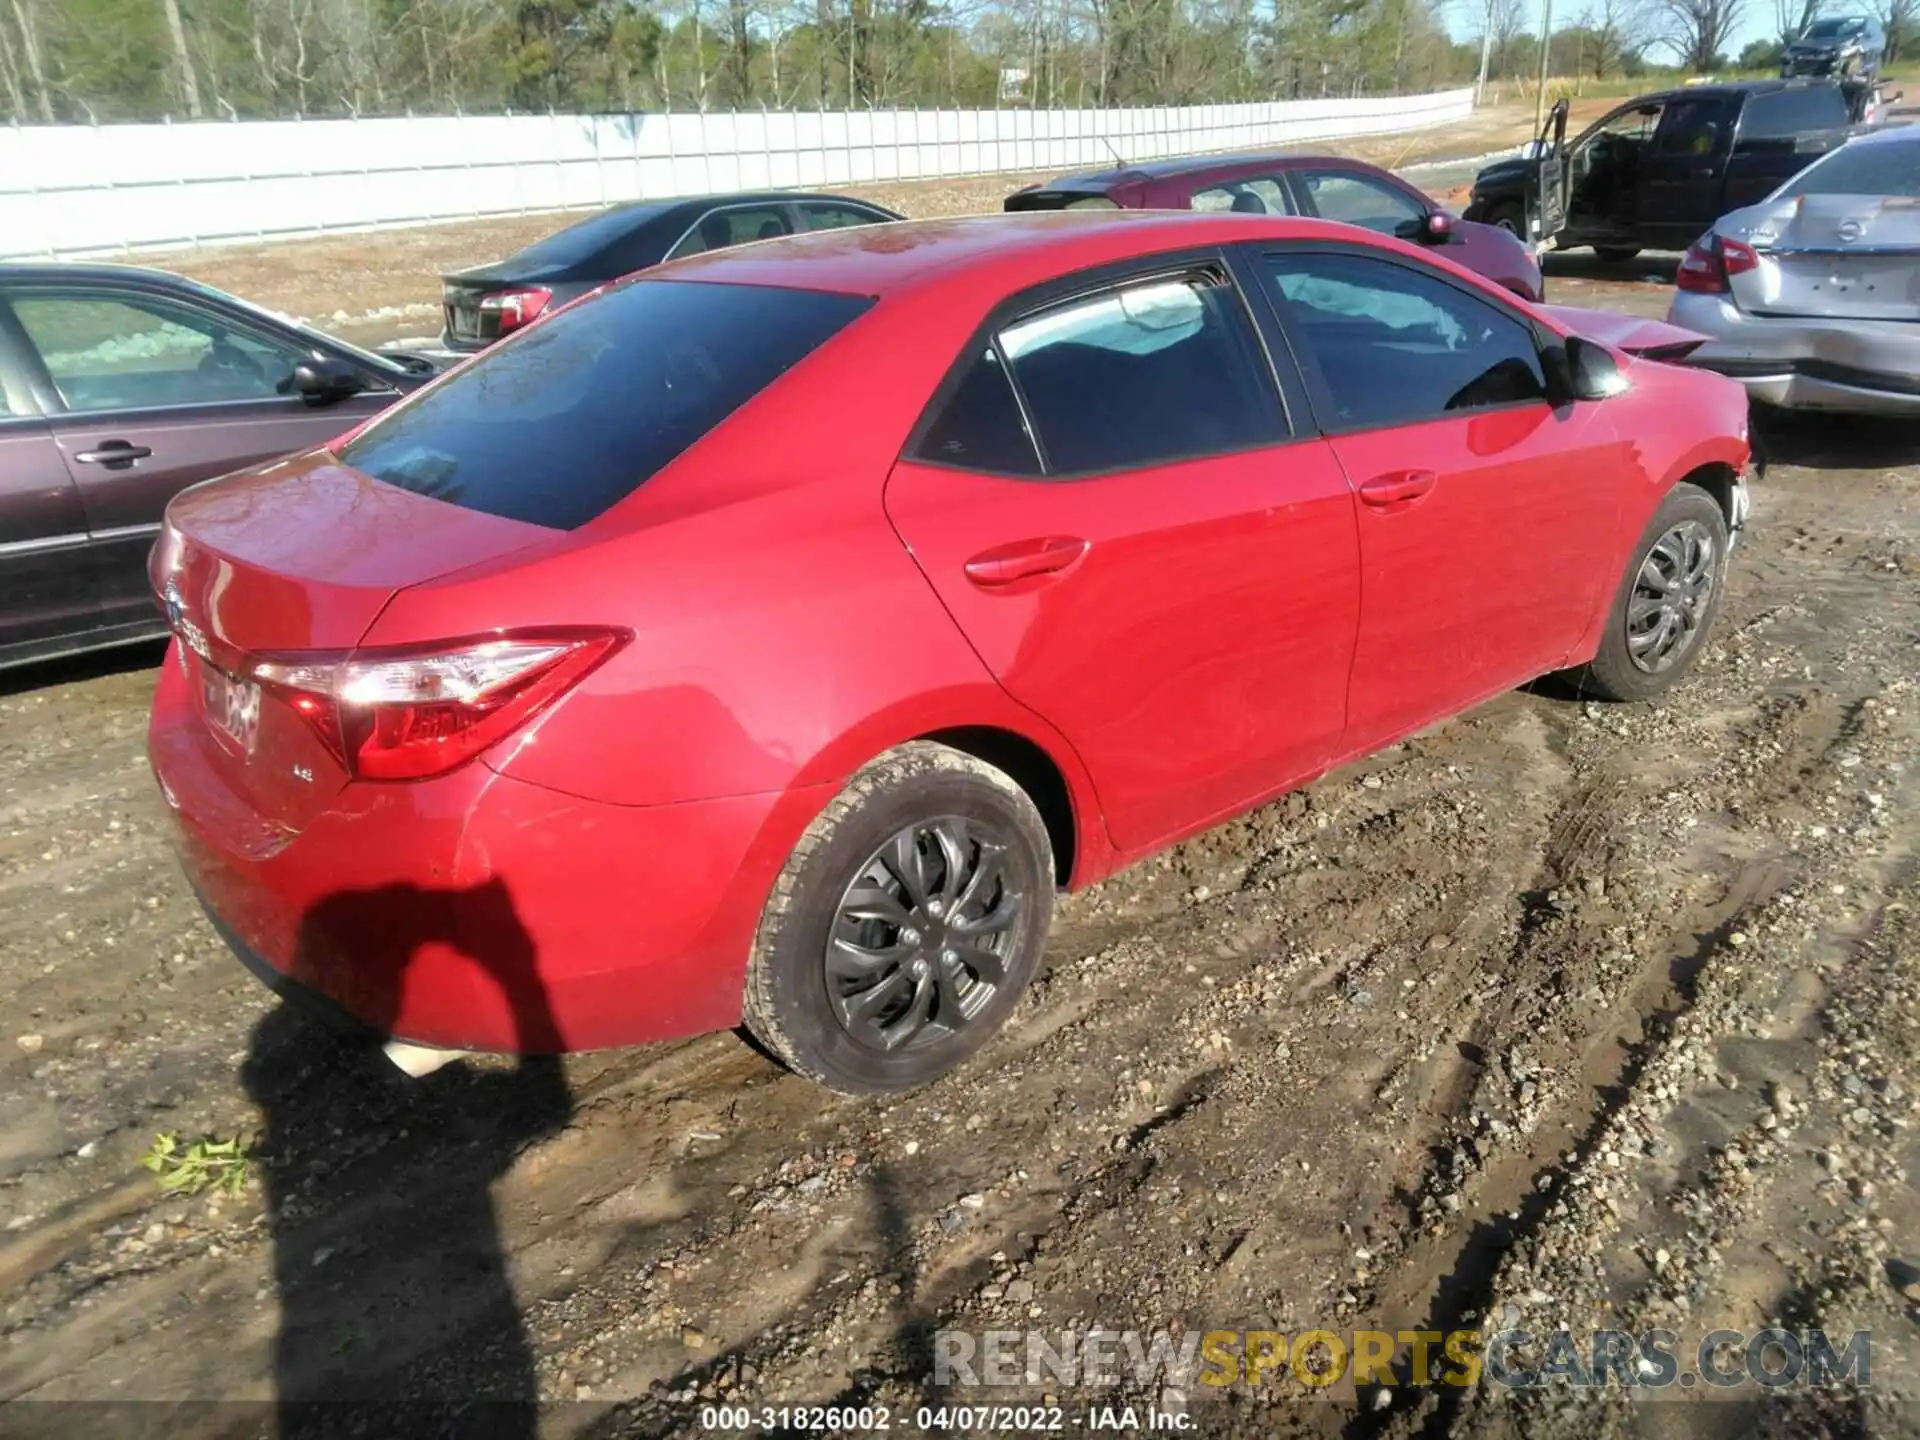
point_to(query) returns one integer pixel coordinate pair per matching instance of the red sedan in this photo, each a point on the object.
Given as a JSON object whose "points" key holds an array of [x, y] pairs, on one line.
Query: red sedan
{"points": [[771, 635]]}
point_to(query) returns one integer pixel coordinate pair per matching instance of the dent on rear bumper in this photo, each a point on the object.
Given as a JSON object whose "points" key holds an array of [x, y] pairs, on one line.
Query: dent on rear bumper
{"points": [[1859, 367], [1805, 392], [480, 912]]}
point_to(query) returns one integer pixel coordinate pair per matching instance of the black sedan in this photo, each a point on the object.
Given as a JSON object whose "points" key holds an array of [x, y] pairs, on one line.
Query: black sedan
{"points": [[490, 301]]}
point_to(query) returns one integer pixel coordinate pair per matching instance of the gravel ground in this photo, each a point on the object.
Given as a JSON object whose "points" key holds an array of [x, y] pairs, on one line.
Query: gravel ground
{"points": [[1561, 1013]]}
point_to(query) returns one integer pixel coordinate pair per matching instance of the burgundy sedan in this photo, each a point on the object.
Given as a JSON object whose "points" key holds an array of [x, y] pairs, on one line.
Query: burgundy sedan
{"points": [[771, 634], [1324, 187]]}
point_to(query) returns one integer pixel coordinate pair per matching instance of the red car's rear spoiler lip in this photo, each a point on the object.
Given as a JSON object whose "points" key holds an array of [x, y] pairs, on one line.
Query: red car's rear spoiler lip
{"points": [[1654, 339]]}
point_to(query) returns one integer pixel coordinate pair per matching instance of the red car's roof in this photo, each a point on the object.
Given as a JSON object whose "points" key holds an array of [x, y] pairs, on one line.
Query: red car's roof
{"points": [[876, 259]]}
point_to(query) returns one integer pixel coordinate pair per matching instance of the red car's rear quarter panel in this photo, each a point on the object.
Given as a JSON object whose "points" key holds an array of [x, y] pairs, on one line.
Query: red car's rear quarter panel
{"points": [[477, 912]]}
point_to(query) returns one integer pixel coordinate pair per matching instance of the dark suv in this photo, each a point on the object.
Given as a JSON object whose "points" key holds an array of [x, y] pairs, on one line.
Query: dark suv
{"points": [[118, 387], [1851, 46]]}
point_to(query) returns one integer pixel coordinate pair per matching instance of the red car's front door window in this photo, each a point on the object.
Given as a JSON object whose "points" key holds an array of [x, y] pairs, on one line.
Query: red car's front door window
{"points": [[1486, 513]]}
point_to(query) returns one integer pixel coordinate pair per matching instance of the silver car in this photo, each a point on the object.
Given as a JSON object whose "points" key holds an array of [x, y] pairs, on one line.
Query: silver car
{"points": [[1811, 298]]}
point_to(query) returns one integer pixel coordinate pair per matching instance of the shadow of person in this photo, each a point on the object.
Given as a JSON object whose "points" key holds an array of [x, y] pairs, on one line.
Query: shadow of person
{"points": [[397, 1313]]}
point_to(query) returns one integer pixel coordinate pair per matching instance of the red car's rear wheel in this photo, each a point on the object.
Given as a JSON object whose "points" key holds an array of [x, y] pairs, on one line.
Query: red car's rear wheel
{"points": [[904, 927]]}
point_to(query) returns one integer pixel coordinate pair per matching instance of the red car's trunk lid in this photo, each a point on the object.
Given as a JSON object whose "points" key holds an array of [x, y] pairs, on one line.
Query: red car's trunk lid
{"points": [[299, 556]]}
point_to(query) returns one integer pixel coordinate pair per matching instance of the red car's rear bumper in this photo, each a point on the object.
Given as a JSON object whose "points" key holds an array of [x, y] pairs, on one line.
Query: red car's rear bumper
{"points": [[478, 912]]}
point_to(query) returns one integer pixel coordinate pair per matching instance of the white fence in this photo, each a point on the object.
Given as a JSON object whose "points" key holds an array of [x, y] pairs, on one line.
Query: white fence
{"points": [[79, 190]]}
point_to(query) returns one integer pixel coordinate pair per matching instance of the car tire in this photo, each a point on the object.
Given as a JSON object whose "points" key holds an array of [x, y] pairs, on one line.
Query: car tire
{"points": [[1509, 217], [860, 979], [1674, 581], [1616, 254]]}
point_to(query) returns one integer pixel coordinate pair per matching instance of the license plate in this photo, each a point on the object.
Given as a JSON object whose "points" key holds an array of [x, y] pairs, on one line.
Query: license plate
{"points": [[465, 323], [232, 706]]}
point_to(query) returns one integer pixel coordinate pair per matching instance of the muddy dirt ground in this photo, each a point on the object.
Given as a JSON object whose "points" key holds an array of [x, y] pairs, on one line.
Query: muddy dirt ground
{"points": [[1561, 1013]]}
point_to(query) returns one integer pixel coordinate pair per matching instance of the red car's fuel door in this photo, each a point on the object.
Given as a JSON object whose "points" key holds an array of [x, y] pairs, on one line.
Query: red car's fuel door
{"points": [[1111, 505]]}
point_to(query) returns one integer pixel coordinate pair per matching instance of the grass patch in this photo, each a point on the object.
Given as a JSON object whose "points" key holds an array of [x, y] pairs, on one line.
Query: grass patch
{"points": [[205, 1164]]}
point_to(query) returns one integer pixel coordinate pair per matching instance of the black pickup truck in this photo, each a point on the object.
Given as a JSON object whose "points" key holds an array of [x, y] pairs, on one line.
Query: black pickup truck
{"points": [[1657, 172]]}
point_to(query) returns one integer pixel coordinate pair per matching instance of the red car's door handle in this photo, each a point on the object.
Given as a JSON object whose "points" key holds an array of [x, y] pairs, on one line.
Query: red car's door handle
{"points": [[1023, 559], [1399, 487]]}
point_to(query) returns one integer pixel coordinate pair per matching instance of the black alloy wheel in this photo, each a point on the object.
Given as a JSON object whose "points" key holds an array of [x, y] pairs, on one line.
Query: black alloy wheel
{"points": [[918, 943]]}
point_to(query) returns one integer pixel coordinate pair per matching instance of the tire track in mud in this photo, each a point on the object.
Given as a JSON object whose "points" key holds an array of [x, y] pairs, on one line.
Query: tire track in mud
{"points": [[1809, 736]]}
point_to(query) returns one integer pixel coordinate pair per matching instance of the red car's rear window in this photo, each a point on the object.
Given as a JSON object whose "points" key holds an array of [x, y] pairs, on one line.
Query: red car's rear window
{"points": [[563, 422]]}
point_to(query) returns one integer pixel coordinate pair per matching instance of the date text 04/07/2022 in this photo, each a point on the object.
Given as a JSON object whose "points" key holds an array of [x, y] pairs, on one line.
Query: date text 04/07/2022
{"points": [[936, 1419]]}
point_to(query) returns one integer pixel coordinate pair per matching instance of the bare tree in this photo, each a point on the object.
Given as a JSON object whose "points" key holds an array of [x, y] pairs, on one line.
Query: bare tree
{"points": [[1506, 22], [1616, 29], [739, 57], [10, 75], [1900, 22], [1792, 17], [281, 57], [36, 65], [1698, 30], [182, 61]]}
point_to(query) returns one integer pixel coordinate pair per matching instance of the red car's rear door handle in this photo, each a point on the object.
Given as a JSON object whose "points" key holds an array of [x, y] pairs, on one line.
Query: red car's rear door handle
{"points": [[1023, 559], [1398, 487]]}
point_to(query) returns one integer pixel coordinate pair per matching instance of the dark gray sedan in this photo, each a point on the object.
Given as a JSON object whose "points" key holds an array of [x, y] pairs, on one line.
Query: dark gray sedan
{"points": [[490, 301], [120, 386]]}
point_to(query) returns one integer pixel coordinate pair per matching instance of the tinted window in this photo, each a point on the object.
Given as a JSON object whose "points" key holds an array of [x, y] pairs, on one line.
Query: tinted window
{"points": [[1785, 113], [132, 352], [719, 229], [1691, 127], [1155, 371], [980, 427], [836, 217], [557, 425], [1262, 196], [1360, 200], [587, 238], [1395, 346], [1882, 167]]}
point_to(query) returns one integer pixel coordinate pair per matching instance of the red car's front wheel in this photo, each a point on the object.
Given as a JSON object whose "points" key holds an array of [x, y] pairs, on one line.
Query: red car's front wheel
{"points": [[1666, 603], [905, 925]]}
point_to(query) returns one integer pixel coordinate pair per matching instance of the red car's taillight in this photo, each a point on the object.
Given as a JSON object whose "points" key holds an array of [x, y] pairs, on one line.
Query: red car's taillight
{"points": [[515, 308], [1713, 259], [408, 714]]}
